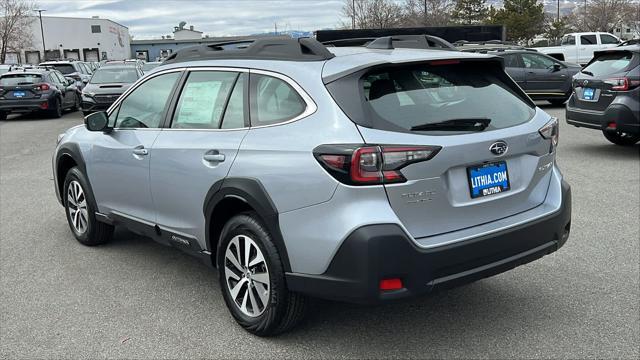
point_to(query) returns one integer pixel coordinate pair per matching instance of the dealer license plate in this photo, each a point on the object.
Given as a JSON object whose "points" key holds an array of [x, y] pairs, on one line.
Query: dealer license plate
{"points": [[488, 179]]}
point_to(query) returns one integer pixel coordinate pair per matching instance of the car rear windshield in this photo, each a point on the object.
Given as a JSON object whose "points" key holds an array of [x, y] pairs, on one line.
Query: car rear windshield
{"points": [[610, 63], [66, 69], [114, 75], [20, 79], [406, 98]]}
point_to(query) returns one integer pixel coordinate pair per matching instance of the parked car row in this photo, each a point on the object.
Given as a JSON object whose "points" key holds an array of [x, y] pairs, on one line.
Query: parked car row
{"points": [[54, 86]]}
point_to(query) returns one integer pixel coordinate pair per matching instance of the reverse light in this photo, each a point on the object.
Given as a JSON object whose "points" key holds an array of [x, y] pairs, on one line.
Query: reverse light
{"points": [[371, 165], [551, 131]]}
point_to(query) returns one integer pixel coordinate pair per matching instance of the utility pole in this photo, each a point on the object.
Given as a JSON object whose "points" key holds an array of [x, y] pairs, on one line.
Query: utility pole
{"points": [[44, 47], [425, 12], [275, 28], [353, 14], [558, 18]]}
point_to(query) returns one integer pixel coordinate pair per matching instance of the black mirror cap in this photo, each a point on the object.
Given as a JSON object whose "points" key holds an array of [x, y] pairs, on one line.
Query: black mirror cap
{"points": [[557, 67], [97, 121]]}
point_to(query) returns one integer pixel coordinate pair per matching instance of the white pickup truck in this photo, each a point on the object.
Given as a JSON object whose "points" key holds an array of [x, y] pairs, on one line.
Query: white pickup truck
{"points": [[579, 47]]}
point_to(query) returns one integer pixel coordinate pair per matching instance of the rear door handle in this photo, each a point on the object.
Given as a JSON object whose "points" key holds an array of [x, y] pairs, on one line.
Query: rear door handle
{"points": [[213, 156]]}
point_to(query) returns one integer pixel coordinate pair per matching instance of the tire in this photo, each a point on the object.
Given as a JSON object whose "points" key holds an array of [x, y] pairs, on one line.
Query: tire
{"points": [[3, 115], [281, 309], [80, 207], [76, 104], [619, 138], [56, 109]]}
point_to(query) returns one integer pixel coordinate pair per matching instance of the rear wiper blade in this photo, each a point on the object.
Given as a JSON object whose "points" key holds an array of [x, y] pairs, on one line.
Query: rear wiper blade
{"points": [[586, 72], [470, 124]]}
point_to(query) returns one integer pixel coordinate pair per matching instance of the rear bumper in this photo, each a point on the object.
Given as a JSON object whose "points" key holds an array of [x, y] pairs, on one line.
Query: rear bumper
{"points": [[375, 252], [626, 119], [26, 105]]}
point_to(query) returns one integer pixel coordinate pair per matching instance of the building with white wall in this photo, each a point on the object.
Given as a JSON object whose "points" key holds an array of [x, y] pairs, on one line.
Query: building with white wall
{"points": [[91, 39]]}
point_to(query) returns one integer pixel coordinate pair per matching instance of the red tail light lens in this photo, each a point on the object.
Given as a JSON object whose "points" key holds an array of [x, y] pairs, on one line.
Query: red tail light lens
{"points": [[618, 84], [371, 165], [42, 87], [391, 284]]}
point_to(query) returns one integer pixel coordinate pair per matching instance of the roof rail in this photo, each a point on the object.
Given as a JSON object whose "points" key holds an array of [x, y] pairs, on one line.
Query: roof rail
{"points": [[396, 41], [268, 48]]}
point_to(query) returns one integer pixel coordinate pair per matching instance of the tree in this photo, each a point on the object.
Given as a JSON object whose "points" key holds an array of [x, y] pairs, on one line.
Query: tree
{"points": [[15, 26], [555, 29], [524, 19], [372, 14], [427, 12], [604, 15], [470, 11]]}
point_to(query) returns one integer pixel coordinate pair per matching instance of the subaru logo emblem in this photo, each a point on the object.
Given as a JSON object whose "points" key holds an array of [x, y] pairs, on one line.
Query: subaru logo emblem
{"points": [[499, 148], [584, 83]]}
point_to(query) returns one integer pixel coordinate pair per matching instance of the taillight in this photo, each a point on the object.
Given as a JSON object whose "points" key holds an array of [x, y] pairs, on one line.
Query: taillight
{"points": [[618, 84], [371, 164], [41, 87], [551, 131]]}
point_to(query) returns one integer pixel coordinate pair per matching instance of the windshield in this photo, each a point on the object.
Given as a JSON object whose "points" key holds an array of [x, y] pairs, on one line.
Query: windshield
{"points": [[20, 79], [408, 98], [114, 75], [66, 69], [609, 64]]}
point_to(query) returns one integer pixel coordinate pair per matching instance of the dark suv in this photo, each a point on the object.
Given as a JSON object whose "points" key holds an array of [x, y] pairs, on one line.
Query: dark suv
{"points": [[106, 85], [36, 89], [606, 95]]}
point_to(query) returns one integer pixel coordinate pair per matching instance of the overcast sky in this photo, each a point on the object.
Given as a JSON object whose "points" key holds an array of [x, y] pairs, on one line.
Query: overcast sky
{"points": [[153, 18]]}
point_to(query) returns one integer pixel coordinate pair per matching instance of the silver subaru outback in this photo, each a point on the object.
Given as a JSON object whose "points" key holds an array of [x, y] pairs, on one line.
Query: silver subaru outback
{"points": [[359, 174]]}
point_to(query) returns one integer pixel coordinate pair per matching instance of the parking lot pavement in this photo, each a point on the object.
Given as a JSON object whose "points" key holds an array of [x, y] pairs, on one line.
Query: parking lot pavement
{"points": [[134, 298]]}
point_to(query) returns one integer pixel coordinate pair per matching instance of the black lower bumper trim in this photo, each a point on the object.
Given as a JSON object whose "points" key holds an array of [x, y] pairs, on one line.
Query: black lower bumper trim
{"points": [[375, 252]]}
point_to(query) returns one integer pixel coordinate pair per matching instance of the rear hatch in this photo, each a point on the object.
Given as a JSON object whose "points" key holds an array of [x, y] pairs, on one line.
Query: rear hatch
{"points": [[491, 162], [18, 86], [596, 85]]}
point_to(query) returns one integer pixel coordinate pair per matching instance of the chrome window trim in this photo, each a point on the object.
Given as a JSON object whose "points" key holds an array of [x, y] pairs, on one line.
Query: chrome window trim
{"points": [[310, 108]]}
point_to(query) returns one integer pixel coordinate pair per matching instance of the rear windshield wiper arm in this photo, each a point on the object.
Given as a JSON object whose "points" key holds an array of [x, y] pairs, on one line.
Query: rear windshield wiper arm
{"points": [[470, 124], [586, 72]]}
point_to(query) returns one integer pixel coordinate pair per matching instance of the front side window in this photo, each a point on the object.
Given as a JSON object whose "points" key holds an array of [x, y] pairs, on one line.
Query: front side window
{"points": [[588, 40], [535, 61], [203, 100], [146, 105], [273, 101], [608, 39]]}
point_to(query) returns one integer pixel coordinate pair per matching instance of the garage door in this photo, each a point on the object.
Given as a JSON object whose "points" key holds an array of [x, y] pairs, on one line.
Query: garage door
{"points": [[91, 55], [72, 54], [33, 57]]}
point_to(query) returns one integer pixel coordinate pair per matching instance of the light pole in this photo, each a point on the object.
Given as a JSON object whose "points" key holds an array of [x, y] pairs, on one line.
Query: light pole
{"points": [[44, 47], [558, 18]]}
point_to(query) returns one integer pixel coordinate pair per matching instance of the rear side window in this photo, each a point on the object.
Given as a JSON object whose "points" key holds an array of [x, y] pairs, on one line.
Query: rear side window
{"points": [[20, 79], [405, 98], [610, 63], [203, 100], [588, 40], [273, 101]]}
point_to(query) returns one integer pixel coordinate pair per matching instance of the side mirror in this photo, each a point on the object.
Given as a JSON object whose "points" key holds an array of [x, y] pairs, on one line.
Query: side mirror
{"points": [[557, 67], [97, 121]]}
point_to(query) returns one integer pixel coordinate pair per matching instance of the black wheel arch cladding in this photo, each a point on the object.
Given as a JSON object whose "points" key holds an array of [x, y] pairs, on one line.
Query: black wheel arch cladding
{"points": [[72, 151], [253, 193]]}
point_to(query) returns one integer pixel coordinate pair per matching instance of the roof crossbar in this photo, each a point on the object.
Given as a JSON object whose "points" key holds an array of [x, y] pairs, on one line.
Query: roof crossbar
{"points": [[267, 48], [396, 41]]}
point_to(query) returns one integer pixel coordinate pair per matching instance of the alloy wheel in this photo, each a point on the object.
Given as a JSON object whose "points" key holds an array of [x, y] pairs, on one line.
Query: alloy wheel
{"points": [[77, 205], [247, 276]]}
